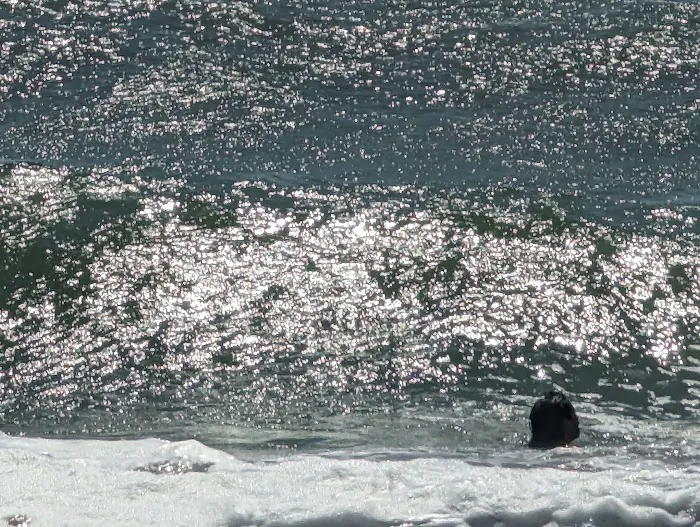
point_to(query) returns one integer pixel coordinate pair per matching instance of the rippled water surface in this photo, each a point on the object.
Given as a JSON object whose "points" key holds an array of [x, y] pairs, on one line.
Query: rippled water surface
{"points": [[328, 221]]}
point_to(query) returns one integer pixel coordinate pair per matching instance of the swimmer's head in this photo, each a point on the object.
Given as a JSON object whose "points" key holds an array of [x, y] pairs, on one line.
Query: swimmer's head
{"points": [[553, 421]]}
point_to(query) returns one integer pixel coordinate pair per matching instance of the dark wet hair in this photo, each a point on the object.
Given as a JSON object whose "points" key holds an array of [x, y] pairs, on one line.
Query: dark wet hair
{"points": [[553, 421]]}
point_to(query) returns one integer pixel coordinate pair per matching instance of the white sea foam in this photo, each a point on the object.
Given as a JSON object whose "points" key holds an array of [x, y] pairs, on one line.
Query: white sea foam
{"points": [[155, 482]]}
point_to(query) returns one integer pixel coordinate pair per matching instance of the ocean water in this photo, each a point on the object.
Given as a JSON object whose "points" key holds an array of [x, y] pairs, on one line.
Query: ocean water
{"points": [[309, 263]]}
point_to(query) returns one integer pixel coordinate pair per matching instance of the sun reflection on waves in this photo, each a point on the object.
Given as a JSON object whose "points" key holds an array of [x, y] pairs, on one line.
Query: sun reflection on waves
{"points": [[266, 303]]}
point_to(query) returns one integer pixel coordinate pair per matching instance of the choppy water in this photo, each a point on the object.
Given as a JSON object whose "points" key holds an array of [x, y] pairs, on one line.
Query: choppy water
{"points": [[319, 227]]}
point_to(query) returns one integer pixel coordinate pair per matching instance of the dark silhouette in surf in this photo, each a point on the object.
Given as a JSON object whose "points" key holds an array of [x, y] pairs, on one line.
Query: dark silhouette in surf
{"points": [[553, 421]]}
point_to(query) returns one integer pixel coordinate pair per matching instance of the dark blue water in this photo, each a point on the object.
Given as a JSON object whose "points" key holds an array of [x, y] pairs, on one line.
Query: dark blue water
{"points": [[316, 216]]}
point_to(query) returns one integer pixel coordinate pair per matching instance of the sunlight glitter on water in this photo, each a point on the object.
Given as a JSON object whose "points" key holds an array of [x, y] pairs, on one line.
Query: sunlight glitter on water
{"points": [[297, 303]]}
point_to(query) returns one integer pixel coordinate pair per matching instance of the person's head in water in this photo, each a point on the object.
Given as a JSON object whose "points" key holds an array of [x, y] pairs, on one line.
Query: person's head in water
{"points": [[553, 421]]}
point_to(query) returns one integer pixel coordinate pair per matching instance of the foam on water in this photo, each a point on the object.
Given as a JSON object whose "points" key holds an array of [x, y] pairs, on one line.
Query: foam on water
{"points": [[155, 482]]}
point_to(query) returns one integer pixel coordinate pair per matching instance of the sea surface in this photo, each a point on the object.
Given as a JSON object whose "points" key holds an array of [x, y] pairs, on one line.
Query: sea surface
{"points": [[309, 263]]}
